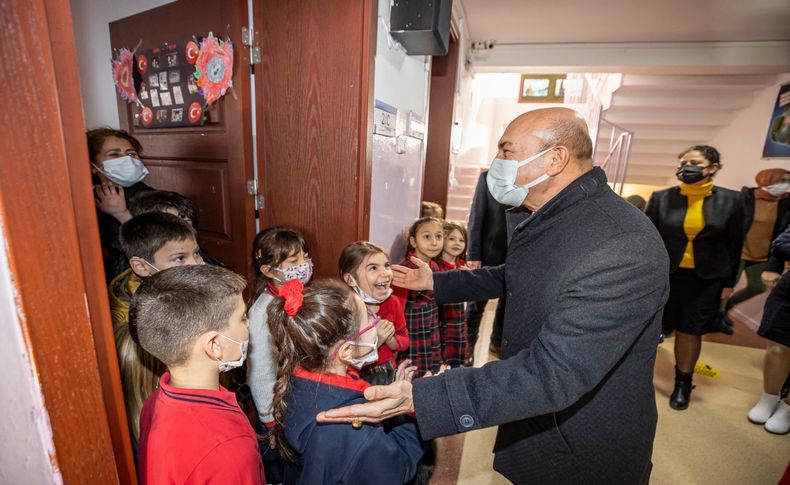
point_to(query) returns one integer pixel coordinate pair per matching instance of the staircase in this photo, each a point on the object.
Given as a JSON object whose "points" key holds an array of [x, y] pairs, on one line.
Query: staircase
{"points": [[668, 113], [459, 197]]}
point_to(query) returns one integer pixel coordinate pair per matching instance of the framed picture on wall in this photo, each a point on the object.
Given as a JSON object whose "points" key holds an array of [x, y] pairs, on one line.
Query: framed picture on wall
{"points": [[777, 140], [542, 88]]}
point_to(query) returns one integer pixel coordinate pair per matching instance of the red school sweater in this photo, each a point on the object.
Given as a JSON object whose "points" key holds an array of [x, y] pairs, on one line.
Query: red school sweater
{"points": [[392, 309], [195, 436]]}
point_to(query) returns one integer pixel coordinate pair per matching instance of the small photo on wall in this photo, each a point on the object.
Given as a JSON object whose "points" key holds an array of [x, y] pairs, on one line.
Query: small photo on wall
{"points": [[153, 81], [144, 94], [154, 98], [172, 59], [163, 80], [155, 62], [191, 85], [174, 77], [166, 99], [177, 96], [161, 115], [177, 115]]}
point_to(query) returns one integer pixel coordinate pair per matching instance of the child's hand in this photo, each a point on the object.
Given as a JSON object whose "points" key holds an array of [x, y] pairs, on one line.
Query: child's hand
{"points": [[405, 371], [385, 330], [110, 199], [441, 370]]}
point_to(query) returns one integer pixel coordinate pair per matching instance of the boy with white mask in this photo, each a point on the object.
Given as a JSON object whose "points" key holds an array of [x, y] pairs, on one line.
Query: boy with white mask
{"points": [[192, 430], [117, 175]]}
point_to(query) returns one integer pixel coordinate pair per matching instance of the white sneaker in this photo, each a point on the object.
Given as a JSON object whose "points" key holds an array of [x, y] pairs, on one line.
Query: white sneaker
{"points": [[763, 410], [779, 422]]}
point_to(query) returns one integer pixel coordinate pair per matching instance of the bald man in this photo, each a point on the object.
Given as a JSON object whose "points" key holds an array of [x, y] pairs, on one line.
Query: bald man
{"points": [[586, 279]]}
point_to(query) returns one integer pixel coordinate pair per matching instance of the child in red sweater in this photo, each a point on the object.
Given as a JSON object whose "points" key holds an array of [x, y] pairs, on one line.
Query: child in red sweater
{"points": [[365, 267], [452, 316], [192, 431]]}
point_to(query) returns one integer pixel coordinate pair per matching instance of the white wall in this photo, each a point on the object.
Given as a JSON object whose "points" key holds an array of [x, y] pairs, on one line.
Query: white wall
{"points": [[91, 20], [27, 445], [741, 142]]}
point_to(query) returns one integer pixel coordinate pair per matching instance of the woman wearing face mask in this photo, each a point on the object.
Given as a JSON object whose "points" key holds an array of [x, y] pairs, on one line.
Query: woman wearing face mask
{"points": [[767, 215], [702, 228], [117, 176]]}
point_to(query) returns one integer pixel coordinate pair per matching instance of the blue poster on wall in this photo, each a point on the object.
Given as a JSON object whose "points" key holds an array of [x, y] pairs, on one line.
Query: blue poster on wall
{"points": [[777, 140]]}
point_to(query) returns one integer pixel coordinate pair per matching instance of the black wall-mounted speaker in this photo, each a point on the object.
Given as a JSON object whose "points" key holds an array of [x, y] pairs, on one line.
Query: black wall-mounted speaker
{"points": [[422, 26]]}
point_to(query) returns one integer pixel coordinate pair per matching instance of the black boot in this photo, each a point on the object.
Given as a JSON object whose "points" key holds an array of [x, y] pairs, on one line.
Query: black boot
{"points": [[680, 397]]}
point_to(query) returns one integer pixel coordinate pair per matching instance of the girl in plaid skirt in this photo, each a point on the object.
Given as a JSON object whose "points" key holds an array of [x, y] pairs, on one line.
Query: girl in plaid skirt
{"points": [[426, 241], [452, 316]]}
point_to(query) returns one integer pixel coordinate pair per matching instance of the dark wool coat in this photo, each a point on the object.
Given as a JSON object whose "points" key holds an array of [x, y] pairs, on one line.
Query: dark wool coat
{"points": [[586, 279]]}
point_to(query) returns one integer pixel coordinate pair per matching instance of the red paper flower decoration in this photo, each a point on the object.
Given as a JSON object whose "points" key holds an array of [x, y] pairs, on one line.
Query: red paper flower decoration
{"points": [[213, 67], [148, 116], [291, 291], [122, 75]]}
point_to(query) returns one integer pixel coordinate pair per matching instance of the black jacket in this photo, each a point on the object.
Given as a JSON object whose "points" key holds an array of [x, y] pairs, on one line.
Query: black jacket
{"points": [[717, 248], [782, 222], [586, 278], [487, 227]]}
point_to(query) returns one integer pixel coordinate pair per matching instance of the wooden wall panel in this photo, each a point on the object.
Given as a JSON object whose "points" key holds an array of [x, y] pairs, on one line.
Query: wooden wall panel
{"points": [[444, 74], [54, 245], [314, 112]]}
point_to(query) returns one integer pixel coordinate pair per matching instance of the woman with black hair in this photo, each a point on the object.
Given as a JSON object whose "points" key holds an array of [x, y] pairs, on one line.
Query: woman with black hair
{"points": [[702, 228]]}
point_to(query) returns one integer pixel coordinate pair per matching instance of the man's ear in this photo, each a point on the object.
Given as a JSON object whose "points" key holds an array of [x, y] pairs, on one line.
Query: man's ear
{"points": [[139, 267], [560, 157]]}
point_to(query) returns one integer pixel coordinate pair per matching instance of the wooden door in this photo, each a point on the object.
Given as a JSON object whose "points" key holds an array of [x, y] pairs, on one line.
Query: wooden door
{"points": [[54, 256], [210, 164], [314, 102]]}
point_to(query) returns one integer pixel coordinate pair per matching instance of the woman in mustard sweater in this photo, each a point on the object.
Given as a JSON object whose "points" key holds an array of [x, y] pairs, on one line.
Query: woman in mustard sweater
{"points": [[702, 228]]}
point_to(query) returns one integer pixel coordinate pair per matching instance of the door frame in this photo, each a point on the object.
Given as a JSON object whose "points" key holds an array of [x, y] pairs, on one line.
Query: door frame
{"points": [[54, 253]]}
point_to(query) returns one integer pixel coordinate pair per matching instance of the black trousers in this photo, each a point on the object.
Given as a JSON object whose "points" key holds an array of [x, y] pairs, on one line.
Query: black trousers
{"points": [[474, 314]]}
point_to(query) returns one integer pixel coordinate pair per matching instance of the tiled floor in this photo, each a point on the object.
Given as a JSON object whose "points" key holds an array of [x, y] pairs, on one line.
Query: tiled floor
{"points": [[712, 442]]}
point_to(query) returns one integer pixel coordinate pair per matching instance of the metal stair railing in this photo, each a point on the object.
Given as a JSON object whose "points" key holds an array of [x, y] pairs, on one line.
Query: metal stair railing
{"points": [[614, 158]]}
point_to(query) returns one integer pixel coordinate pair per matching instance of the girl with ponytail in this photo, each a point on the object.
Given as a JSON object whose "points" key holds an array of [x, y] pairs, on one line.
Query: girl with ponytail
{"points": [[321, 335]]}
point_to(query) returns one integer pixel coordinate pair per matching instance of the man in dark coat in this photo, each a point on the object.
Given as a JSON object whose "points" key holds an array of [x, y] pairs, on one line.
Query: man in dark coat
{"points": [[486, 246], [586, 277]]}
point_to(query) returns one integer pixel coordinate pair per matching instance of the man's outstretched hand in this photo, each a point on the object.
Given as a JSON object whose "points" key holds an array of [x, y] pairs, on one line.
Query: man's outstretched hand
{"points": [[418, 279], [383, 402]]}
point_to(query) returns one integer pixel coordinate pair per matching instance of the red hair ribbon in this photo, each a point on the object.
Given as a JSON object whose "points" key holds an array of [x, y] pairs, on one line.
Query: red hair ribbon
{"points": [[291, 291]]}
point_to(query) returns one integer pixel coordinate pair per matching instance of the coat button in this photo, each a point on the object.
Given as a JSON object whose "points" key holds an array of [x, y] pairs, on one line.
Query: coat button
{"points": [[467, 421], [510, 294]]}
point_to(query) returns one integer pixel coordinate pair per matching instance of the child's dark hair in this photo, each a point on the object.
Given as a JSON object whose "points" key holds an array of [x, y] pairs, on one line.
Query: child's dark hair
{"points": [[431, 209], [161, 201], [142, 236], [353, 255], [175, 306], [328, 315], [449, 227], [416, 227], [707, 151], [271, 247], [97, 137]]}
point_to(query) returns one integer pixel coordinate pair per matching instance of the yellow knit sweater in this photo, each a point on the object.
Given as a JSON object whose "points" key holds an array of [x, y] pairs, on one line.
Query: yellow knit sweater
{"points": [[694, 221]]}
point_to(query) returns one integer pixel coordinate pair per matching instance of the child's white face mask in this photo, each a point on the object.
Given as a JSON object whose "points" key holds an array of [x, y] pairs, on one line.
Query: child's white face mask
{"points": [[233, 364], [371, 357]]}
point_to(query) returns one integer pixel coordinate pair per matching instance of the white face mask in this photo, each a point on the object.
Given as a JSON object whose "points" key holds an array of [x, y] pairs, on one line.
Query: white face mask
{"points": [[303, 272], [124, 171], [366, 298], [233, 364], [778, 189], [501, 179], [370, 358]]}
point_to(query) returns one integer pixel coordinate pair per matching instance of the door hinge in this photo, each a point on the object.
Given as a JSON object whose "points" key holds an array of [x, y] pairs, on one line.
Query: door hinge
{"points": [[252, 186], [256, 55], [259, 203], [246, 36]]}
